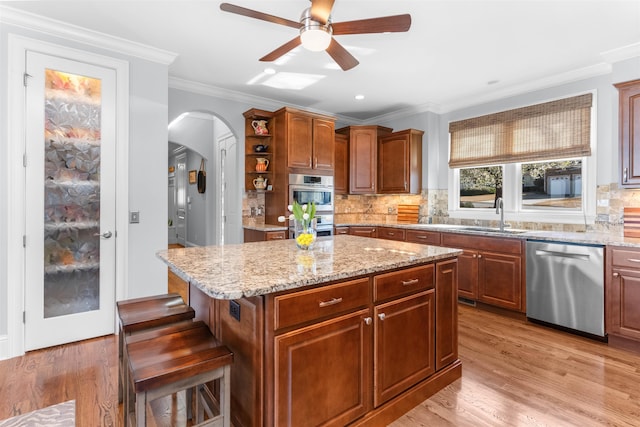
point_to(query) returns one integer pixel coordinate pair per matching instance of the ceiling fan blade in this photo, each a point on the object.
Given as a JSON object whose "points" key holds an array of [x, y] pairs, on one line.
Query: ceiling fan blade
{"points": [[227, 7], [386, 24], [343, 58], [321, 10], [290, 45]]}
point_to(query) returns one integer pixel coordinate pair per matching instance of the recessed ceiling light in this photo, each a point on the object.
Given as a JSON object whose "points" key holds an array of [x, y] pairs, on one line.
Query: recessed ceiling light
{"points": [[359, 97], [492, 82], [269, 71]]}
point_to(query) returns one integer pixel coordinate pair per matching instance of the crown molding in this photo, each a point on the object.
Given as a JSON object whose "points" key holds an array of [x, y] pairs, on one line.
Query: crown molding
{"points": [[52, 27], [544, 83], [231, 95], [621, 53]]}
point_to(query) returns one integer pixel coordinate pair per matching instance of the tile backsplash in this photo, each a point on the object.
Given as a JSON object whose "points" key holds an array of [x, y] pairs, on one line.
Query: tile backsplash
{"points": [[610, 201], [381, 209]]}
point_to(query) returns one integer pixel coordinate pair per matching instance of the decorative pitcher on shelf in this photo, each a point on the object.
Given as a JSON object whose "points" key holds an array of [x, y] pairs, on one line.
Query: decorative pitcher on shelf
{"points": [[262, 164], [260, 127], [260, 183]]}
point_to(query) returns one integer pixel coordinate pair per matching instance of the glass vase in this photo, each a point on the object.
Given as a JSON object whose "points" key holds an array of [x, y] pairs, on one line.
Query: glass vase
{"points": [[306, 233]]}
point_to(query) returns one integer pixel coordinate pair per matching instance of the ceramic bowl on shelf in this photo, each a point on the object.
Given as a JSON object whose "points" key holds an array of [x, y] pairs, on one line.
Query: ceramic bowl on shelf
{"points": [[260, 148]]}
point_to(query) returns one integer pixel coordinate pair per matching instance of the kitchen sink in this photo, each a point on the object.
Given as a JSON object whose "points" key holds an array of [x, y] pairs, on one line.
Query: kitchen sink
{"points": [[494, 230]]}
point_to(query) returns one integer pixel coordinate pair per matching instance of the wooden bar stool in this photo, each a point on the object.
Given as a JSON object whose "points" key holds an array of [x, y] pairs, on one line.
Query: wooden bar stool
{"points": [[176, 358], [140, 314]]}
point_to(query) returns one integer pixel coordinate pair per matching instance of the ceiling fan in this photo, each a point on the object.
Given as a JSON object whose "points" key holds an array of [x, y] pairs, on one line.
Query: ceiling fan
{"points": [[317, 30]]}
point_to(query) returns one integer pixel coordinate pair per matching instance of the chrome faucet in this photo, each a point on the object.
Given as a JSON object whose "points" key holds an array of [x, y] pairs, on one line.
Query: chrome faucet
{"points": [[500, 210]]}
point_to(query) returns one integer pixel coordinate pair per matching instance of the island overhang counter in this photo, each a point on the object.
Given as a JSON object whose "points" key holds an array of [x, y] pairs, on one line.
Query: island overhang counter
{"points": [[356, 331]]}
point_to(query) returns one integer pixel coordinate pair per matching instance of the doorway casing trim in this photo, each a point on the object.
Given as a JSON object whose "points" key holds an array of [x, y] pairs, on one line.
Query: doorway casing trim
{"points": [[17, 48]]}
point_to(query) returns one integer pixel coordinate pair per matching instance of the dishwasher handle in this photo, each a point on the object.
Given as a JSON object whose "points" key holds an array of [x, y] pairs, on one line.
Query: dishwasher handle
{"points": [[543, 252]]}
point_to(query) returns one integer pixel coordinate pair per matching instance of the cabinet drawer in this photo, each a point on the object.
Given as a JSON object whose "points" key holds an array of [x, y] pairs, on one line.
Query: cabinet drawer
{"points": [[482, 243], [391, 233], [625, 258], [424, 237], [304, 306], [275, 235], [342, 230], [403, 282]]}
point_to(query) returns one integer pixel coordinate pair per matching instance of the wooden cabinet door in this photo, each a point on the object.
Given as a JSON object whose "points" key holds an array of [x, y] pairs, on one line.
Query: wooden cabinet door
{"points": [[624, 304], [400, 162], [393, 170], [341, 170], [404, 344], [300, 141], [468, 274], [363, 231], [500, 280], [446, 313], [363, 160], [629, 130], [306, 371], [323, 144]]}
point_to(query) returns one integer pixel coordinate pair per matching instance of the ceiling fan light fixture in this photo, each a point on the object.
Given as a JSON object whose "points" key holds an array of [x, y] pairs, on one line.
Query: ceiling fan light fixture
{"points": [[315, 40], [314, 36]]}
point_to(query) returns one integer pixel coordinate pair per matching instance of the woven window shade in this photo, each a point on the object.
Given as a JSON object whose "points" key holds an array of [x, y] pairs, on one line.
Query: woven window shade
{"points": [[552, 130]]}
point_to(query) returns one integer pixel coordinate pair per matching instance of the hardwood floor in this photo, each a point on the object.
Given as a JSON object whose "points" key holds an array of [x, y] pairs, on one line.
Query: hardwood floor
{"points": [[514, 374]]}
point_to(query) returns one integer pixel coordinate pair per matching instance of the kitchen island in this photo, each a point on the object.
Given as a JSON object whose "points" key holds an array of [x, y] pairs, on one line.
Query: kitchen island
{"points": [[356, 331]]}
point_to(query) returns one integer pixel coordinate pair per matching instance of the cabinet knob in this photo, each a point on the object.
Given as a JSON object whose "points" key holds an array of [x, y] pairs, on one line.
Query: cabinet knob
{"points": [[367, 320], [381, 316], [475, 256], [479, 255], [616, 274]]}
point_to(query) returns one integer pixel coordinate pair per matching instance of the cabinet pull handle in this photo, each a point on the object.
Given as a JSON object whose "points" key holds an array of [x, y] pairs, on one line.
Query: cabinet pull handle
{"points": [[410, 282], [625, 175], [633, 260], [332, 301], [420, 237], [315, 162], [616, 274], [367, 320], [381, 316], [277, 238]]}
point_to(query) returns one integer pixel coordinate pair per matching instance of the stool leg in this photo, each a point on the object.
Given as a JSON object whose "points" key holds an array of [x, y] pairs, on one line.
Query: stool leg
{"points": [[141, 409], [225, 397], [121, 367], [188, 394]]}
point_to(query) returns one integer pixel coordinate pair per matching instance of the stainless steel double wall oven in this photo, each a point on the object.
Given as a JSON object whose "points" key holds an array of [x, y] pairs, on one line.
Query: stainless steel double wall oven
{"points": [[318, 189]]}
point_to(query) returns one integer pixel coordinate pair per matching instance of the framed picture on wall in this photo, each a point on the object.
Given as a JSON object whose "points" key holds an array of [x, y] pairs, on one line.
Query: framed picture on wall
{"points": [[193, 177]]}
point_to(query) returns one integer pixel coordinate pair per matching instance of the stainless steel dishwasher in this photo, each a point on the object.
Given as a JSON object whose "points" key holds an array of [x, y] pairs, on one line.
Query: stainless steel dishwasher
{"points": [[565, 285]]}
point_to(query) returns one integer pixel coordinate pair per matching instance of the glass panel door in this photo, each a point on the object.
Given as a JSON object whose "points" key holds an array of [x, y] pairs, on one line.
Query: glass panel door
{"points": [[70, 201]]}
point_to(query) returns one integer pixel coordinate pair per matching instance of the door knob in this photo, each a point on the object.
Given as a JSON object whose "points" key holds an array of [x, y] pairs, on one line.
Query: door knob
{"points": [[105, 235]]}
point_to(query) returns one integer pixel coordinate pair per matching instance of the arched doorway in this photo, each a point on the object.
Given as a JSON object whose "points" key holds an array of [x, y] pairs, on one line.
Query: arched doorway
{"points": [[213, 217]]}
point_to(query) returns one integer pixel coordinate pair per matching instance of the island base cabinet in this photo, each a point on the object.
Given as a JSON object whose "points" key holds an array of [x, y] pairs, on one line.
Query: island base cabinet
{"points": [[446, 313], [404, 344], [322, 372]]}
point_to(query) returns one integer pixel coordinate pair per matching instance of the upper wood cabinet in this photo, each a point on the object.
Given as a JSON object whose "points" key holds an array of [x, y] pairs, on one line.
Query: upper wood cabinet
{"points": [[309, 140], [341, 171], [363, 157], [629, 131], [400, 162]]}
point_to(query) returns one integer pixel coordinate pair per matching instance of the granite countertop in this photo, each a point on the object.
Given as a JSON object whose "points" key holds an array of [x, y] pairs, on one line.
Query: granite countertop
{"points": [[590, 238], [258, 268], [265, 227]]}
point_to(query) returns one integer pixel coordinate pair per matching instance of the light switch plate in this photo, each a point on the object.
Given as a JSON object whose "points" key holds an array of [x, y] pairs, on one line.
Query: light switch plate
{"points": [[134, 217]]}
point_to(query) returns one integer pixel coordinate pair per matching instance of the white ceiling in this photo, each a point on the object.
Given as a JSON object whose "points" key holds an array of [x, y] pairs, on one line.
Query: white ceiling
{"points": [[447, 60]]}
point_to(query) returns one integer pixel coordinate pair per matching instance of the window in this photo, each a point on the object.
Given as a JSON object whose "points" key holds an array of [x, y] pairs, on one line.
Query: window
{"points": [[538, 159], [552, 185], [480, 187]]}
